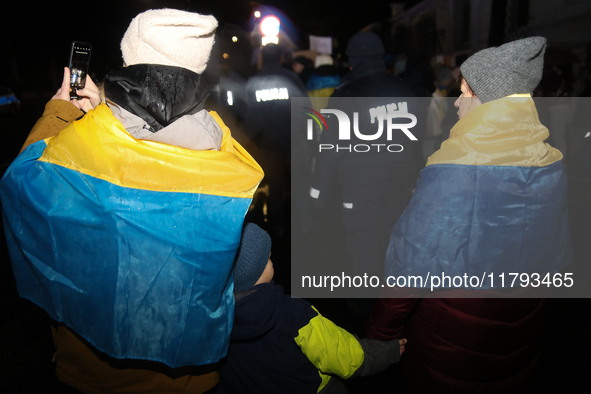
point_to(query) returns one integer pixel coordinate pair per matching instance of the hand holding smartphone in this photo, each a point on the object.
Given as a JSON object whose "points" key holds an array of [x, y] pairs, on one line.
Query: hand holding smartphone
{"points": [[79, 61]]}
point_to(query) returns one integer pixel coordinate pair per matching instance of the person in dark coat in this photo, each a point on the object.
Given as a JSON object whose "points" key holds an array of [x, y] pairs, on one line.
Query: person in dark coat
{"points": [[268, 123], [374, 185], [490, 203], [284, 345]]}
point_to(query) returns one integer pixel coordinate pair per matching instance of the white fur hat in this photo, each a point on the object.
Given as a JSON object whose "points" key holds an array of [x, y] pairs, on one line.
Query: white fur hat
{"points": [[323, 59], [169, 37]]}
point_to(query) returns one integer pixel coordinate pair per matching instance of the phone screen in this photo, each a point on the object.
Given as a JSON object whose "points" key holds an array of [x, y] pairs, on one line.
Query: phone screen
{"points": [[79, 61]]}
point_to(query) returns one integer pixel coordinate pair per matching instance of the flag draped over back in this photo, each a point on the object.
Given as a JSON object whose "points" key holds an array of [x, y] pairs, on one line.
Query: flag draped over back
{"points": [[130, 243], [492, 200]]}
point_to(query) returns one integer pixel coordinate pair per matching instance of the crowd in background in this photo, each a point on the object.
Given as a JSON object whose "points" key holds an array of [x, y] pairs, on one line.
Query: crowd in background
{"points": [[321, 73]]}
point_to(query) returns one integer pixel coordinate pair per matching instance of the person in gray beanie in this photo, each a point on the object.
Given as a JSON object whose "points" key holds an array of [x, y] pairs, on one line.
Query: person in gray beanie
{"points": [[497, 72], [512, 68], [493, 198], [281, 344]]}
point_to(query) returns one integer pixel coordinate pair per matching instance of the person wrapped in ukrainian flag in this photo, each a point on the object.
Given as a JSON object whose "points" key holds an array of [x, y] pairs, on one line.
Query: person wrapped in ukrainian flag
{"points": [[492, 201], [123, 222]]}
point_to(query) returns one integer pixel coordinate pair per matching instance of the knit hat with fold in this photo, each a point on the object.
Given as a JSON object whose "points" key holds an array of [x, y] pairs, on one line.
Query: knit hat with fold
{"points": [[252, 257], [512, 68], [363, 47], [169, 37], [365, 44]]}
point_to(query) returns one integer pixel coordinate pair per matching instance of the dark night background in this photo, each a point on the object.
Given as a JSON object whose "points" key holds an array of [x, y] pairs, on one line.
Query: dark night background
{"points": [[36, 37]]}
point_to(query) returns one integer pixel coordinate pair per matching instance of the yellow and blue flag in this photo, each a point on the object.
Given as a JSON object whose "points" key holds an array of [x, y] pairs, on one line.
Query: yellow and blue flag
{"points": [[128, 242], [492, 200]]}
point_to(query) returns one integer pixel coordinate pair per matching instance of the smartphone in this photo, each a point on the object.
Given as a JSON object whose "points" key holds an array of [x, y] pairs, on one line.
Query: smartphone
{"points": [[79, 61]]}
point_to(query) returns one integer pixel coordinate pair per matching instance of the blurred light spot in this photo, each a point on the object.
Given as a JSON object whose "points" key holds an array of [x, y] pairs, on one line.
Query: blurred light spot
{"points": [[270, 26]]}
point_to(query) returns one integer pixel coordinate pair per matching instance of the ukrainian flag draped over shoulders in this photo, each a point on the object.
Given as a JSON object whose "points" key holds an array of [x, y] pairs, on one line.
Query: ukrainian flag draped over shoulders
{"points": [[493, 199], [130, 243]]}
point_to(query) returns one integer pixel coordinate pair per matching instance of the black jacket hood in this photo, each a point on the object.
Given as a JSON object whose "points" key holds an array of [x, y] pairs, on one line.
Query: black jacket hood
{"points": [[158, 94]]}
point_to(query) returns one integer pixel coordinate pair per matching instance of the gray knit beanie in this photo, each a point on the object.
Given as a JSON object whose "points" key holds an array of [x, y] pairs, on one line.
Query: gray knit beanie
{"points": [[364, 47], [512, 68], [365, 44], [253, 255]]}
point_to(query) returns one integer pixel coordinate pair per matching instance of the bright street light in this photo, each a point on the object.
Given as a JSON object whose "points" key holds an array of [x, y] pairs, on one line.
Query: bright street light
{"points": [[270, 26]]}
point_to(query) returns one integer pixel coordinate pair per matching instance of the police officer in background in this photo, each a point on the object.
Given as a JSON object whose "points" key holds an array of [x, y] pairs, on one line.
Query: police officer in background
{"points": [[374, 186], [268, 123]]}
